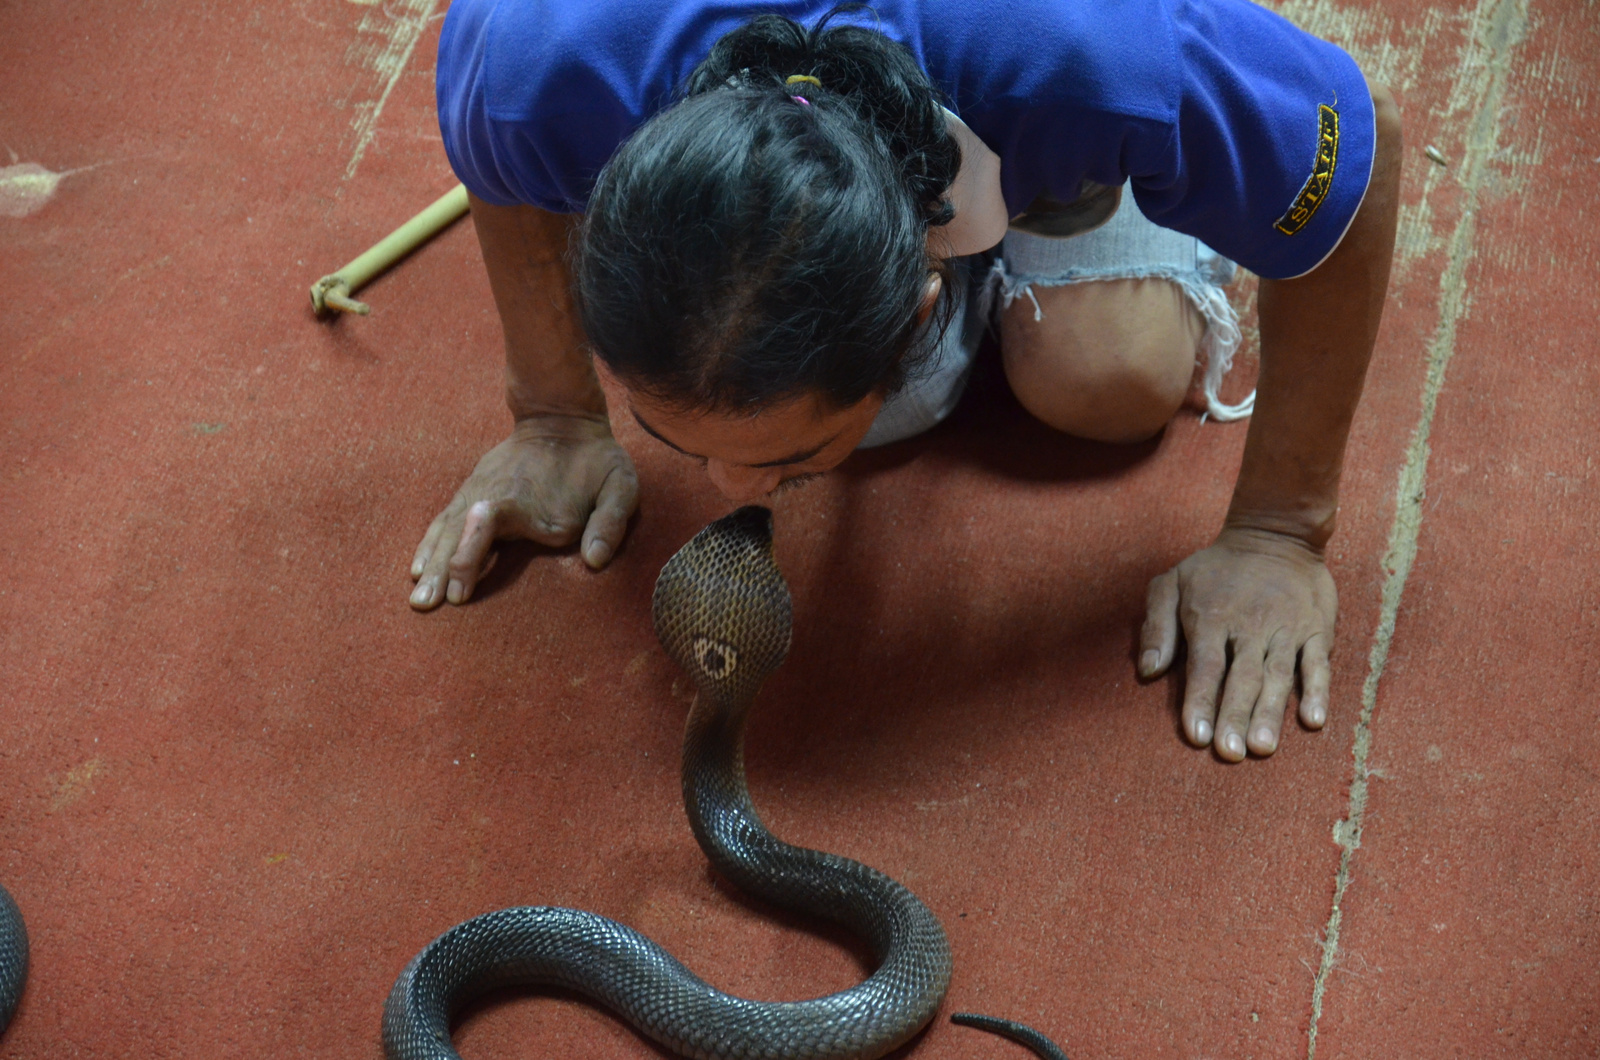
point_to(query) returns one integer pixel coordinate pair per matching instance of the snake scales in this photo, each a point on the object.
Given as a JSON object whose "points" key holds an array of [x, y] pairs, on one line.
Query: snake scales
{"points": [[722, 610], [13, 958]]}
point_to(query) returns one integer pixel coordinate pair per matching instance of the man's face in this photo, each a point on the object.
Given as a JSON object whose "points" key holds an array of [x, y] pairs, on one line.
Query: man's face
{"points": [[749, 455]]}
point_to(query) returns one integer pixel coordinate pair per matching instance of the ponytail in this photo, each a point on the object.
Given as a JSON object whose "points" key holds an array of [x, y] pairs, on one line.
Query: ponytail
{"points": [[857, 67]]}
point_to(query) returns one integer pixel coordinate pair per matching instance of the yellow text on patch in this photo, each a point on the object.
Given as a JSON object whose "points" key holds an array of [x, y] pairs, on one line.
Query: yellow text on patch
{"points": [[1320, 181]]}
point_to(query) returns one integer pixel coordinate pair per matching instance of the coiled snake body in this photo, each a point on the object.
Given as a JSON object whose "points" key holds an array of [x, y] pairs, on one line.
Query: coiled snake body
{"points": [[722, 610], [13, 958]]}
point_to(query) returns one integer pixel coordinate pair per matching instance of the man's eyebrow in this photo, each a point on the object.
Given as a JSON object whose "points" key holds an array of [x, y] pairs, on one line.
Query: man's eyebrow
{"points": [[652, 432], [796, 458]]}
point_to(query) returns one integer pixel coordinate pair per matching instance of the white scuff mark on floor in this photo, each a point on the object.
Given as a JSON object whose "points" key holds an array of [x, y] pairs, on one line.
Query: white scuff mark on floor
{"points": [[385, 39], [26, 186]]}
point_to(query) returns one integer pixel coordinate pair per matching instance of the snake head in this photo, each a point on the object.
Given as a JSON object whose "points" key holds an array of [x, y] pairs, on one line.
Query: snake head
{"points": [[722, 609]]}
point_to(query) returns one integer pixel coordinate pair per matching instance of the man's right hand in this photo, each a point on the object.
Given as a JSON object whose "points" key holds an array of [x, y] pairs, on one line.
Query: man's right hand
{"points": [[556, 477]]}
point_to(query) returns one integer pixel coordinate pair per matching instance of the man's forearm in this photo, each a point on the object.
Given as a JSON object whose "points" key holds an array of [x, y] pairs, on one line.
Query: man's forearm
{"points": [[1317, 334], [524, 251]]}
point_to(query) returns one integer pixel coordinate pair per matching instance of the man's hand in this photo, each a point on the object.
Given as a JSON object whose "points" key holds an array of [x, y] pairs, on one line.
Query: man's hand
{"points": [[557, 476], [1266, 596], [1260, 598]]}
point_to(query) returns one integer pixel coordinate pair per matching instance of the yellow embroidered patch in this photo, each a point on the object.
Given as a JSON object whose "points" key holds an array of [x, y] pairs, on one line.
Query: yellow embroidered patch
{"points": [[1320, 181]]}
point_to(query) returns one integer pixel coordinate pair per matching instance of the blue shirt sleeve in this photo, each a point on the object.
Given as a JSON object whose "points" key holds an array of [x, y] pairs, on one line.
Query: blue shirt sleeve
{"points": [[458, 91], [1233, 125], [527, 116], [1272, 148]]}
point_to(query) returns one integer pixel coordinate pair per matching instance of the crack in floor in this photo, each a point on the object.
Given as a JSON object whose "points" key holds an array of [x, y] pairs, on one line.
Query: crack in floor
{"points": [[1478, 94]]}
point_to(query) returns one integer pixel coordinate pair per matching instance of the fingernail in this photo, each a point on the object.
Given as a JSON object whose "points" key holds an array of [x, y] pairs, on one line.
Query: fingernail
{"points": [[1202, 732], [456, 591], [597, 553], [1264, 738], [1234, 743], [1319, 714], [422, 595], [1148, 661]]}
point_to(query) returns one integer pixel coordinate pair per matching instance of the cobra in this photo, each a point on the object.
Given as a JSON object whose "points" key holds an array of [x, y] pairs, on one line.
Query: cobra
{"points": [[722, 610]]}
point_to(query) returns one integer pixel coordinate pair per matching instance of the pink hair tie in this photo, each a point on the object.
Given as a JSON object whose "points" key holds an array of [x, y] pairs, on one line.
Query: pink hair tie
{"points": [[793, 78]]}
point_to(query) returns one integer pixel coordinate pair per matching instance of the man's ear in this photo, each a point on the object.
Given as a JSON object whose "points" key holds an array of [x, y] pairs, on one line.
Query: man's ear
{"points": [[930, 297]]}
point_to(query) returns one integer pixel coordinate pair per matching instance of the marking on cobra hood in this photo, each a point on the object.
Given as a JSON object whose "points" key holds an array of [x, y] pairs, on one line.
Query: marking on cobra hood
{"points": [[715, 657]]}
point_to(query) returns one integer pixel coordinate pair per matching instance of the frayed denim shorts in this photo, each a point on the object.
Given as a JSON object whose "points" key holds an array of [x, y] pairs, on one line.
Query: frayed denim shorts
{"points": [[1127, 246]]}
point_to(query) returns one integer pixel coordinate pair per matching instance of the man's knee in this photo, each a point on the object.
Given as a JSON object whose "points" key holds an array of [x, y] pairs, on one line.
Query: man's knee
{"points": [[1109, 360]]}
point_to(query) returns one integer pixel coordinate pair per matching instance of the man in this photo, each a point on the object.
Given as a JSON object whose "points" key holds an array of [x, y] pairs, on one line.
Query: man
{"points": [[710, 283]]}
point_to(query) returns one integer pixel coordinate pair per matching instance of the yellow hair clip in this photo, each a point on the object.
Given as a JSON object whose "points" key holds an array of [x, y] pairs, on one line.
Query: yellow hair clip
{"points": [[802, 77]]}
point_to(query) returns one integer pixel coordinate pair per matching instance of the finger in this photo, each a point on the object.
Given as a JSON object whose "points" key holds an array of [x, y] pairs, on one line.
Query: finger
{"points": [[619, 497], [419, 560], [1239, 698], [1266, 723], [466, 562], [1158, 641], [430, 590], [1208, 661], [1315, 676]]}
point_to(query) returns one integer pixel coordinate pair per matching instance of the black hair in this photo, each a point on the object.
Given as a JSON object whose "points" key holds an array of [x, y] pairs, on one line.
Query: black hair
{"points": [[743, 248]]}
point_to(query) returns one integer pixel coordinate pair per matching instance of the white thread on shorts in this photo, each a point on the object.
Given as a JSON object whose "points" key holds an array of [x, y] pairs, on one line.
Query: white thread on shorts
{"points": [[1038, 311]]}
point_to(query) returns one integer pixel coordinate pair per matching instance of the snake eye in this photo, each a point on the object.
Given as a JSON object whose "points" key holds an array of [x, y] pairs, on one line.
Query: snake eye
{"points": [[717, 659]]}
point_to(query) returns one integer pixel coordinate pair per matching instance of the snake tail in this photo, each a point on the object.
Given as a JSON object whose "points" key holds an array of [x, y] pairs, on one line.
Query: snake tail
{"points": [[722, 610], [1020, 1033], [13, 958]]}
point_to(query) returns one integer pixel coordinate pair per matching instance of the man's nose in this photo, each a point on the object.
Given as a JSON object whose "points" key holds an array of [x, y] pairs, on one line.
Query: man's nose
{"points": [[742, 484]]}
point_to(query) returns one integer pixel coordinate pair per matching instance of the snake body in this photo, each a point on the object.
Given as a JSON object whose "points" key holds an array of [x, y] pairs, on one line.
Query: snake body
{"points": [[13, 958], [722, 611]]}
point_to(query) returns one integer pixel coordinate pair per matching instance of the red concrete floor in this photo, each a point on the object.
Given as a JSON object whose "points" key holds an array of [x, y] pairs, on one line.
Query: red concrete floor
{"points": [[242, 782]]}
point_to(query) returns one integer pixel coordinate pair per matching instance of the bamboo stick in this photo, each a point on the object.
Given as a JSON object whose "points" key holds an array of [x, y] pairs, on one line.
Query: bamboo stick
{"points": [[333, 291]]}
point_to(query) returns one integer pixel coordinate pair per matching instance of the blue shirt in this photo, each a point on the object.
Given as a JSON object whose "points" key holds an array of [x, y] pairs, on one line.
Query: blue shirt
{"points": [[1233, 125]]}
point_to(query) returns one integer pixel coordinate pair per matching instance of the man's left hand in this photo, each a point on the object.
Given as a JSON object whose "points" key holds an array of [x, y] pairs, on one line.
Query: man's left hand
{"points": [[1249, 606]]}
